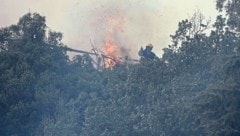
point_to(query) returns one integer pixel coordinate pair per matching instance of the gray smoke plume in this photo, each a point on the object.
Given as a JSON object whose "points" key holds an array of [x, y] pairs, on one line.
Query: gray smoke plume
{"points": [[126, 24]]}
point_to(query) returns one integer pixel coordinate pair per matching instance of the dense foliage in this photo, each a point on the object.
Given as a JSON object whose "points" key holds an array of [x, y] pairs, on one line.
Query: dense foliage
{"points": [[193, 89]]}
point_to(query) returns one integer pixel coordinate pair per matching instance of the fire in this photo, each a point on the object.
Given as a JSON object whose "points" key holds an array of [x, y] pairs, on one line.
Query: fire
{"points": [[111, 47], [112, 54]]}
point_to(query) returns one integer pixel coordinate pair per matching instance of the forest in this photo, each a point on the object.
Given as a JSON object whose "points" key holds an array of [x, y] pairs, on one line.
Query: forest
{"points": [[192, 90]]}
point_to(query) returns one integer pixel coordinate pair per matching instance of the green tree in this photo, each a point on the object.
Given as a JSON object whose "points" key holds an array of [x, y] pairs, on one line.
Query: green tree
{"points": [[231, 7], [24, 57], [217, 107], [32, 27]]}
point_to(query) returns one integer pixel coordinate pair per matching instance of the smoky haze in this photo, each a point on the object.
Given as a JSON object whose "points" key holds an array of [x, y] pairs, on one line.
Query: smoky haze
{"points": [[127, 25], [141, 21], [135, 23]]}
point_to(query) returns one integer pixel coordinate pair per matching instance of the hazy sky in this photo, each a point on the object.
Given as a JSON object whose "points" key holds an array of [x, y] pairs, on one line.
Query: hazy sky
{"points": [[142, 21]]}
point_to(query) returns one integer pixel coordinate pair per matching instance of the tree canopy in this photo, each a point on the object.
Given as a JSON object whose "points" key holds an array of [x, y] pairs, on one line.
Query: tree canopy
{"points": [[193, 89]]}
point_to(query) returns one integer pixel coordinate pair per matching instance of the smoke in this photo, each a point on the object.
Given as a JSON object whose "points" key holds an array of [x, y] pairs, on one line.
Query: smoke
{"points": [[127, 24], [144, 21], [137, 23], [109, 27]]}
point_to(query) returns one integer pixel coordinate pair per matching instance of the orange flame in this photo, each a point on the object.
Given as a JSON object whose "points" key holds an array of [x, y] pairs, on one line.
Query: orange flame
{"points": [[111, 48], [111, 51]]}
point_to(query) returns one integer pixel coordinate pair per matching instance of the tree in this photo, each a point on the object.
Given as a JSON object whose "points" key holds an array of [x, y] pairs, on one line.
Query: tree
{"points": [[32, 27], [54, 38], [217, 107], [191, 90], [231, 7], [24, 57]]}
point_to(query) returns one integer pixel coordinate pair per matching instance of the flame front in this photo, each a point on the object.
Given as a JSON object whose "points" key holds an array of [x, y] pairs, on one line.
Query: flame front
{"points": [[111, 47], [111, 51]]}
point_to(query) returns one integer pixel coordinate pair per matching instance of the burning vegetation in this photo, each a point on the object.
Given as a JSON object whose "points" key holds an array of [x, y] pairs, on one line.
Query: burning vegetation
{"points": [[192, 90], [112, 46]]}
